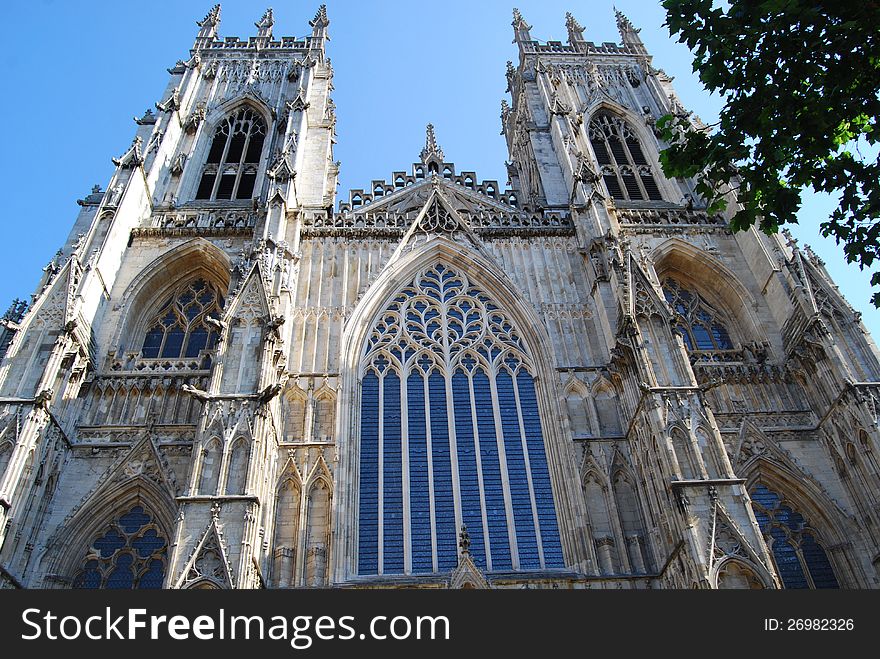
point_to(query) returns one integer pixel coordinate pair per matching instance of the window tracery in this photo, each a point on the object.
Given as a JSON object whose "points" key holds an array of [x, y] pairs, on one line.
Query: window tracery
{"points": [[449, 423], [699, 324], [230, 171], [180, 329], [624, 168], [801, 561], [130, 554]]}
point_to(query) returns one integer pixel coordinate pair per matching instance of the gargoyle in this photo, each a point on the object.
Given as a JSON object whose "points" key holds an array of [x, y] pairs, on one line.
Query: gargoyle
{"points": [[198, 394]]}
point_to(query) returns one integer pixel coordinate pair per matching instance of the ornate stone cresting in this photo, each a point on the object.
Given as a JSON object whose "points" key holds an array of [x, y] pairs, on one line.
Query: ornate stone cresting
{"points": [[574, 378]]}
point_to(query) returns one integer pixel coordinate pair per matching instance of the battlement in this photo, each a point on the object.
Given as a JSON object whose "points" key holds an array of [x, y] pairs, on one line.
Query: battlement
{"points": [[578, 48], [302, 45], [358, 197]]}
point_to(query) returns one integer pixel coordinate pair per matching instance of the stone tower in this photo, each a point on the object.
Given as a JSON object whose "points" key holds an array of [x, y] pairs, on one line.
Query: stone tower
{"points": [[581, 379]]}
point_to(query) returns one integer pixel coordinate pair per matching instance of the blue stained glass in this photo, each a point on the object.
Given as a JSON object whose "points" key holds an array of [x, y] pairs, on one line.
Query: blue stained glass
{"points": [[153, 577], [198, 341], [817, 563], [496, 516], [122, 576], [152, 342], [134, 520], [117, 560], [368, 521], [173, 343], [469, 486], [419, 493], [787, 562], [540, 475], [148, 543], [701, 336], [110, 543], [392, 502], [791, 519], [516, 469], [763, 496], [89, 577], [477, 450], [444, 503]]}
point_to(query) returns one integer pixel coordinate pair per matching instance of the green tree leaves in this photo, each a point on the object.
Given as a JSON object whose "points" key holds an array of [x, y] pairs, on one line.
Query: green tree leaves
{"points": [[801, 86]]}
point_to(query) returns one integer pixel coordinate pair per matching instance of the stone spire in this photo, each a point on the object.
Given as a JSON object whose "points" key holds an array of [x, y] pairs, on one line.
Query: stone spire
{"points": [[629, 35], [210, 23], [575, 31], [320, 22], [520, 28], [432, 152], [265, 24]]}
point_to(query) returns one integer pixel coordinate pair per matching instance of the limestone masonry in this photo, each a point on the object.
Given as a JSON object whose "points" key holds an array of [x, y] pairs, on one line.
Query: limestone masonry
{"points": [[577, 379]]}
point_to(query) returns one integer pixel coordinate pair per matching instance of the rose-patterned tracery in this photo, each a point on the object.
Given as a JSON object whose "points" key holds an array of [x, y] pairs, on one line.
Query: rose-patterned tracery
{"points": [[130, 553], [451, 435]]}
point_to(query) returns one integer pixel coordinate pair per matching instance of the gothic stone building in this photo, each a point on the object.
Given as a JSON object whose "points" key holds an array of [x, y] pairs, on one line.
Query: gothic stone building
{"points": [[227, 380]]}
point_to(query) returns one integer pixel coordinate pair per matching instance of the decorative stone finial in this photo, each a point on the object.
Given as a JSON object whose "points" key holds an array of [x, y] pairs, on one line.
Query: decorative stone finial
{"points": [[575, 30], [265, 24], [320, 20], [519, 23], [132, 157], [464, 540], [431, 151], [211, 20], [629, 35]]}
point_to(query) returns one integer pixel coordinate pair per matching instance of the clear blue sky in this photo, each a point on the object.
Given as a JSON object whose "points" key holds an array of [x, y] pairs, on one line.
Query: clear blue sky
{"points": [[77, 72]]}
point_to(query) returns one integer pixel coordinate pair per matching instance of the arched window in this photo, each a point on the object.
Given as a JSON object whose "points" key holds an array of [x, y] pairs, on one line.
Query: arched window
{"points": [[450, 434], [801, 561], [179, 329], [294, 418], [286, 532], [698, 323], [624, 168], [325, 409], [131, 553], [231, 168], [236, 478]]}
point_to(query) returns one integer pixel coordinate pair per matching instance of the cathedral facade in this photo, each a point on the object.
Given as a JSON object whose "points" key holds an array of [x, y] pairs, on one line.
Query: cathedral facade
{"points": [[579, 379]]}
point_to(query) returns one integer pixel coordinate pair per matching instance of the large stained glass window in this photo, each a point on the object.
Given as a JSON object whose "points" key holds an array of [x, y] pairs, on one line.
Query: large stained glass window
{"points": [[179, 329], [231, 168], [800, 560], [450, 435], [625, 170], [130, 553], [698, 323]]}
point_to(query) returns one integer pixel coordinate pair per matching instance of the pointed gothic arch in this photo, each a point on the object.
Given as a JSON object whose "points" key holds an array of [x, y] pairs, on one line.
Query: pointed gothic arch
{"points": [[809, 525], [294, 415], [625, 154], [209, 465], [606, 404], [205, 138], [288, 526], [71, 545], [740, 574], [317, 532], [238, 463], [692, 267], [146, 294], [324, 419], [396, 275], [578, 407]]}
